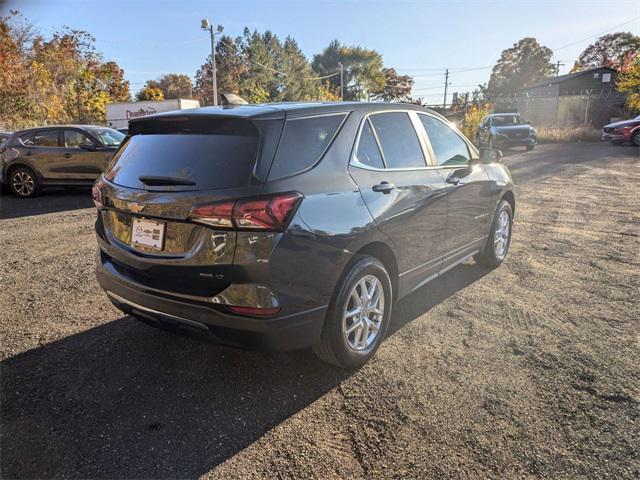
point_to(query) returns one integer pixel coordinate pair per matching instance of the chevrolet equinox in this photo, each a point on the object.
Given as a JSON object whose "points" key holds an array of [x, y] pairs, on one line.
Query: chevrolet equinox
{"points": [[285, 226]]}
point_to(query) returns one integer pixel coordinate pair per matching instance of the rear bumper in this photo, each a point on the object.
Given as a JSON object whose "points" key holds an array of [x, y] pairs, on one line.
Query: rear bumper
{"points": [[288, 332]]}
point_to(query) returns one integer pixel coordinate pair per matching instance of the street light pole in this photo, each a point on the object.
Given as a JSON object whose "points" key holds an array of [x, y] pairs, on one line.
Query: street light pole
{"points": [[205, 25], [341, 81]]}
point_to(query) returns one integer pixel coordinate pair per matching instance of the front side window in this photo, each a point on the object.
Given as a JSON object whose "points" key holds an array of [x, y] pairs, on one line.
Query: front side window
{"points": [[108, 136], [448, 147], [46, 138], [398, 139], [304, 141], [368, 152], [75, 139]]}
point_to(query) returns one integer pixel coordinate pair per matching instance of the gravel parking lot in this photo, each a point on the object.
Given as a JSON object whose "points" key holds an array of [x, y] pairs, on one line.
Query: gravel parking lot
{"points": [[531, 369]]}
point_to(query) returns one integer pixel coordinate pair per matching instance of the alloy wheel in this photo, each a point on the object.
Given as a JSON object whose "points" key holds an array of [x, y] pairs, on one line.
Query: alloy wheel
{"points": [[23, 183], [363, 313], [501, 235]]}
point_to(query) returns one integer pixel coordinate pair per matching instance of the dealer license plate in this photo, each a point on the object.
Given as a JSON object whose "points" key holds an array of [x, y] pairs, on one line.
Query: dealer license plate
{"points": [[148, 233]]}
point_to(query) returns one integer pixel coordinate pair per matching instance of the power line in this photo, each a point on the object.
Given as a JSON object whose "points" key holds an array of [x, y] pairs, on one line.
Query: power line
{"points": [[596, 35]]}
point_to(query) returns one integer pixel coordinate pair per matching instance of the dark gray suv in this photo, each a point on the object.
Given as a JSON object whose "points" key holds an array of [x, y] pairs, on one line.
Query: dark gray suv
{"points": [[69, 155], [285, 226]]}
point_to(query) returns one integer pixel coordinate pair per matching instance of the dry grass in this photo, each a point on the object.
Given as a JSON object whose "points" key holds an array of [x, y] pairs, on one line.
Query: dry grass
{"points": [[571, 134]]}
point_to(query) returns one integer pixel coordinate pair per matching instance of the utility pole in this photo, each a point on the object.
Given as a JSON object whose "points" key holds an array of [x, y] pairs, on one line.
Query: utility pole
{"points": [[558, 65], [446, 85], [205, 25], [341, 81]]}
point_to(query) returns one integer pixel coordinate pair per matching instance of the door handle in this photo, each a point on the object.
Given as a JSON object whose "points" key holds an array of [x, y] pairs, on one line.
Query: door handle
{"points": [[28, 154], [67, 155], [453, 180], [384, 187]]}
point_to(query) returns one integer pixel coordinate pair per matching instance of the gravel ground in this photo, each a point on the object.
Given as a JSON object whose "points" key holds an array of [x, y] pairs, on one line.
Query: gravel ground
{"points": [[529, 370]]}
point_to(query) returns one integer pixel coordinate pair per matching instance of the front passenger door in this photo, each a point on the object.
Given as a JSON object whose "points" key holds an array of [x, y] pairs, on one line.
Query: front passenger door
{"points": [[82, 160], [469, 190]]}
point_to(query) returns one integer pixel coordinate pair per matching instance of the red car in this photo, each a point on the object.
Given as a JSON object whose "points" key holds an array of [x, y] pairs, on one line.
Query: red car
{"points": [[625, 131]]}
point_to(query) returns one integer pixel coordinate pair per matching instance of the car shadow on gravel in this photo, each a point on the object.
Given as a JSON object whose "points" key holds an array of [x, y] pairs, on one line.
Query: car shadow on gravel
{"points": [[48, 201], [124, 400]]}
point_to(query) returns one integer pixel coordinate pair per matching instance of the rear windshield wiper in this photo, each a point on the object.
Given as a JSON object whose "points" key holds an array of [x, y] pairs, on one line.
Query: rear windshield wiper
{"points": [[156, 181]]}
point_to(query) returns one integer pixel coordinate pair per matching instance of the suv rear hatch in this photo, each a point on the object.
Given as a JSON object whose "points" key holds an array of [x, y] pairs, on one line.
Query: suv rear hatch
{"points": [[167, 167]]}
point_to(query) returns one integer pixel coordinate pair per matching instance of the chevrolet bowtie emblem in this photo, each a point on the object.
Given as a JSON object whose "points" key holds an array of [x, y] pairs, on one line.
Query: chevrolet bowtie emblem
{"points": [[136, 207]]}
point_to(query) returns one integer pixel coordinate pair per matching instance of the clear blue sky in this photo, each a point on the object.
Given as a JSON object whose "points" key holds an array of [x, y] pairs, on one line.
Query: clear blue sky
{"points": [[421, 38]]}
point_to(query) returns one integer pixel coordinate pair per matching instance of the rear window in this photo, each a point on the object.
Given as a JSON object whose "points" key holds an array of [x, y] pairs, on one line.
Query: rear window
{"points": [[304, 141], [45, 138], [198, 155]]}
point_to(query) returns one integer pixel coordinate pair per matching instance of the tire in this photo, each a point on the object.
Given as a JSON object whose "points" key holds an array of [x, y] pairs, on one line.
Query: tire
{"points": [[635, 138], [492, 256], [350, 349], [529, 148], [23, 182]]}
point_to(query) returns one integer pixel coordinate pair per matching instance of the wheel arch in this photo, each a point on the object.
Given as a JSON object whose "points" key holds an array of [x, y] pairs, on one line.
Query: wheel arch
{"points": [[19, 164], [509, 197], [384, 253]]}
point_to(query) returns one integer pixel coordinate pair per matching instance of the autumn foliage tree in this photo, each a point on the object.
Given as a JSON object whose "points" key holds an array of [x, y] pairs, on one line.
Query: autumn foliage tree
{"points": [[54, 80], [150, 93], [608, 51], [523, 64], [172, 85], [396, 87], [629, 82]]}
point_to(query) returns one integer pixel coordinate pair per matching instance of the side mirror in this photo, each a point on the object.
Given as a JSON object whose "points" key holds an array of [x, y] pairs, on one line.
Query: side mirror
{"points": [[528, 122], [91, 148], [490, 155]]}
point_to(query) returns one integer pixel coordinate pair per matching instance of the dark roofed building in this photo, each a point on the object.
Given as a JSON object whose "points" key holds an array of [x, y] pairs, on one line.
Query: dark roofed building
{"points": [[597, 80], [586, 97]]}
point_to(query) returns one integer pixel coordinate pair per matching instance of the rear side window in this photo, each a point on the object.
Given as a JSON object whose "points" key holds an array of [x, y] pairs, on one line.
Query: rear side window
{"points": [[368, 152], [304, 141], [448, 146], [46, 138], [211, 154], [398, 139]]}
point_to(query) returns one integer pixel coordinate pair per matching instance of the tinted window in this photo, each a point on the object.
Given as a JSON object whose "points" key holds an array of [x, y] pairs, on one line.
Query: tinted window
{"points": [[223, 158], [447, 145], [108, 136], [75, 139], [398, 139], [368, 152], [46, 138], [303, 142], [506, 120]]}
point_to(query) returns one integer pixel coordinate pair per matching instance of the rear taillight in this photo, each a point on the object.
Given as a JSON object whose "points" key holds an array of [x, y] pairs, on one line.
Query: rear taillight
{"points": [[96, 194], [272, 213], [215, 214]]}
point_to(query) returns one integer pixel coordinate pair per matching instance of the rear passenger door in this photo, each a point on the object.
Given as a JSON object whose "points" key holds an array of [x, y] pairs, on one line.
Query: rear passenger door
{"points": [[42, 150], [469, 190], [404, 195]]}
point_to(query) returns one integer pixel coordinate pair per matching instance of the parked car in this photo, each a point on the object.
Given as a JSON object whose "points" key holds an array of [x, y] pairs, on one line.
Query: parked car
{"points": [[627, 131], [504, 130], [4, 136], [286, 226], [60, 155]]}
